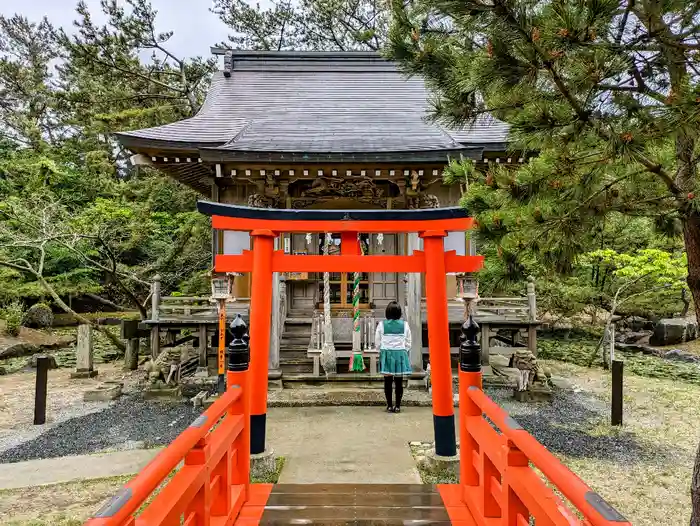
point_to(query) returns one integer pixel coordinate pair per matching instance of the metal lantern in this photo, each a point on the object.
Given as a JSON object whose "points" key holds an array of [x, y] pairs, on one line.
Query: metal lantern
{"points": [[221, 287], [467, 286]]}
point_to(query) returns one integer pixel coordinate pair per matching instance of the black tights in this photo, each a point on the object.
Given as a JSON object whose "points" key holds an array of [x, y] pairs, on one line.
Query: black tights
{"points": [[398, 383]]}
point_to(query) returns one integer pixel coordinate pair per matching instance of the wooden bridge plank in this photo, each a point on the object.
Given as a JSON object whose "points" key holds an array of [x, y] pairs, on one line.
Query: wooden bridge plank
{"points": [[354, 505], [402, 500], [353, 488]]}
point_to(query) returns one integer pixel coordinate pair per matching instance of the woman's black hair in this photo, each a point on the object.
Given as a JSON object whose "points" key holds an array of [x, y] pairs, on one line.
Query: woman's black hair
{"points": [[393, 311]]}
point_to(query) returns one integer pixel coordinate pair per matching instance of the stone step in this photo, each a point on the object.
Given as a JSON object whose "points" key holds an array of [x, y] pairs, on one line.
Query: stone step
{"points": [[292, 355], [295, 369], [347, 380], [296, 336], [295, 361], [294, 347]]}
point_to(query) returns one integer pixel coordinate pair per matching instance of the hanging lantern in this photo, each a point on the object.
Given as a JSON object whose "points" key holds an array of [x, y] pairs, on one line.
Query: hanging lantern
{"points": [[221, 286]]}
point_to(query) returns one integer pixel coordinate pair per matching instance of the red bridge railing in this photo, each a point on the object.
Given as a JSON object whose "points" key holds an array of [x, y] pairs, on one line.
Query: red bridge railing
{"points": [[497, 483], [209, 488]]}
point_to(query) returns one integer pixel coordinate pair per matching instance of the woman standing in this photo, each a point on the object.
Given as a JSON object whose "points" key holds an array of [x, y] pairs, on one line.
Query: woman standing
{"points": [[393, 337]]}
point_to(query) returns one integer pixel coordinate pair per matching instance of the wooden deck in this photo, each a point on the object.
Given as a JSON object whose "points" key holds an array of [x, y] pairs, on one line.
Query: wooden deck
{"points": [[354, 504]]}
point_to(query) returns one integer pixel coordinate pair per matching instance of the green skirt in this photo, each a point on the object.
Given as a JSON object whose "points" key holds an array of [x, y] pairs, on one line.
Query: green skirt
{"points": [[394, 362]]}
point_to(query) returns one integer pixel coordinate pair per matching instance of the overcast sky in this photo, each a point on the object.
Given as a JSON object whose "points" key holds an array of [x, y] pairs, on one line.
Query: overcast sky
{"points": [[195, 27]]}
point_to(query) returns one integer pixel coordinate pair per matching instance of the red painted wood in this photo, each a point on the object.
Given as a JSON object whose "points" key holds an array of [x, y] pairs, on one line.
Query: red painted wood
{"points": [[366, 227], [282, 262]]}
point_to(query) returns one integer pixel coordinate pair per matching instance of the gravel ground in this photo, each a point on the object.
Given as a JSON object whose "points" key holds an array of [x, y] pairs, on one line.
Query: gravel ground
{"points": [[122, 423], [27, 432], [570, 425]]}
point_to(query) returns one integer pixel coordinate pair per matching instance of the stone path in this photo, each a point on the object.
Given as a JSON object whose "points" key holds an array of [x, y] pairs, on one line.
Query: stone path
{"points": [[320, 444], [347, 444], [66, 469]]}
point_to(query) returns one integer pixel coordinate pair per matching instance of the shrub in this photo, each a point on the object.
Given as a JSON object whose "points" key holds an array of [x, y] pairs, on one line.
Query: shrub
{"points": [[39, 316], [13, 314]]}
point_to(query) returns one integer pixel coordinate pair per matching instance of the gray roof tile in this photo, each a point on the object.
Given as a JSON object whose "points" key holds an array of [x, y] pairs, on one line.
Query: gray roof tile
{"points": [[318, 103]]}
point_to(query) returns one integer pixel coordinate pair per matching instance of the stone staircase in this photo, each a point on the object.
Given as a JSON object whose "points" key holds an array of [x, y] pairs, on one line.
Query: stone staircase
{"points": [[294, 343]]}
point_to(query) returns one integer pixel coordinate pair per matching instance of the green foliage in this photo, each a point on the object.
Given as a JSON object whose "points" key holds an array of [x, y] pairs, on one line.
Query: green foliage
{"points": [[72, 216], [13, 313], [604, 92], [577, 351], [322, 25]]}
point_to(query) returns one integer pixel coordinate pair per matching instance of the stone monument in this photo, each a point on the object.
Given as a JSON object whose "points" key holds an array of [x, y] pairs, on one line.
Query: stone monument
{"points": [[84, 354]]}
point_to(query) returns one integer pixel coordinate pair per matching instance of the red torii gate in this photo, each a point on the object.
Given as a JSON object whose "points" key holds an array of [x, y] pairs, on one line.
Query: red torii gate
{"points": [[212, 488], [262, 261]]}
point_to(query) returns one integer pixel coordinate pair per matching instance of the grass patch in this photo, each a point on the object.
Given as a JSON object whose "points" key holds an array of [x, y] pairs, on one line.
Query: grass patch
{"points": [[271, 478], [428, 476], [66, 504], [578, 349], [660, 413], [72, 503]]}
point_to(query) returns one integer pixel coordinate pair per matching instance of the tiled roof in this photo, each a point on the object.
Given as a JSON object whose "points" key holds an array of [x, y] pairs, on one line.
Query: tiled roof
{"points": [[318, 103]]}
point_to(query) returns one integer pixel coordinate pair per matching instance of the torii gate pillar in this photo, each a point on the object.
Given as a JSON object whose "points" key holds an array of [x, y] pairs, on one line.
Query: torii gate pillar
{"points": [[260, 308], [439, 343]]}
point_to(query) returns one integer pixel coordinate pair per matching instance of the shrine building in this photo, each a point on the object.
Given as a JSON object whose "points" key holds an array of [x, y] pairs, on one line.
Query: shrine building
{"points": [[321, 130]]}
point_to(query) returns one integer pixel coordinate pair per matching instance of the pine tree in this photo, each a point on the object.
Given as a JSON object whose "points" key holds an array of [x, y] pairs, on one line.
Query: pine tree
{"points": [[324, 25], [607, 92]]}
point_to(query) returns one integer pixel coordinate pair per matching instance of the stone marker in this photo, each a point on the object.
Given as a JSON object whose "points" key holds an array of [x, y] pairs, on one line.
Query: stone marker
{"points": [[104, 392], [83, 354], [131, 356], [199, 399]]}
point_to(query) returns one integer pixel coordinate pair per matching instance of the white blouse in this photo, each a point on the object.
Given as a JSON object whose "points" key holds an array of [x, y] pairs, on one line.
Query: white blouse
{"points": [[392, 342]]}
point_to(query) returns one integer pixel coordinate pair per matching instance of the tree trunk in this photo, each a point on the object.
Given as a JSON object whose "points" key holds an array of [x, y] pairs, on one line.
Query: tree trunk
{"points": [[62, 304], [695, 492], [691, 234]]}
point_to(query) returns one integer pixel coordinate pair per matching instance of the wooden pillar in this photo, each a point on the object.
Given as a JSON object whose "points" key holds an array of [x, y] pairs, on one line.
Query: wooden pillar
{"points": [[155, 341], [260, 310], [275, 321], [155, 316], [485, 338], [413, 309], [203, 346], [214, 233], [439, 343]]}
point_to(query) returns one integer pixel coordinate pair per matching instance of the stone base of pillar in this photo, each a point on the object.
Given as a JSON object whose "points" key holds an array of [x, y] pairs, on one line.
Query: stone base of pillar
{"points": [[84, 373], [274, 379], [437, 464], [263, 466]]}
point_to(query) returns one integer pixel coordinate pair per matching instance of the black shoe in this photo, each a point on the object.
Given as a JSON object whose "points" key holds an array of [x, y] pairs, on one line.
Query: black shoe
{"points": [[389, 409], [396, 410]]}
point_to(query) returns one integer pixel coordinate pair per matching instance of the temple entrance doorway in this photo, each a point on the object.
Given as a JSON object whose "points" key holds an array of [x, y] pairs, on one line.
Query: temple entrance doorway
{"points": [[305, 290]]}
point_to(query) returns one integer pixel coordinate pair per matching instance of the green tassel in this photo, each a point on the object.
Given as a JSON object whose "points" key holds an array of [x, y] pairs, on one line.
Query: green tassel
{"points": [[358, 364]]}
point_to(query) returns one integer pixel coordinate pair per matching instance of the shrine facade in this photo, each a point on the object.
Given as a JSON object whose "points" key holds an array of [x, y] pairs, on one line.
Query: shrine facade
{"points": [[322, 130]]}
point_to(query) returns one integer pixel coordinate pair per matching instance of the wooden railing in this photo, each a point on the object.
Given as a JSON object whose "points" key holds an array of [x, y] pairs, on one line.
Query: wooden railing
{"points": [[211, 486], [517, 308], [497, 483]]}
